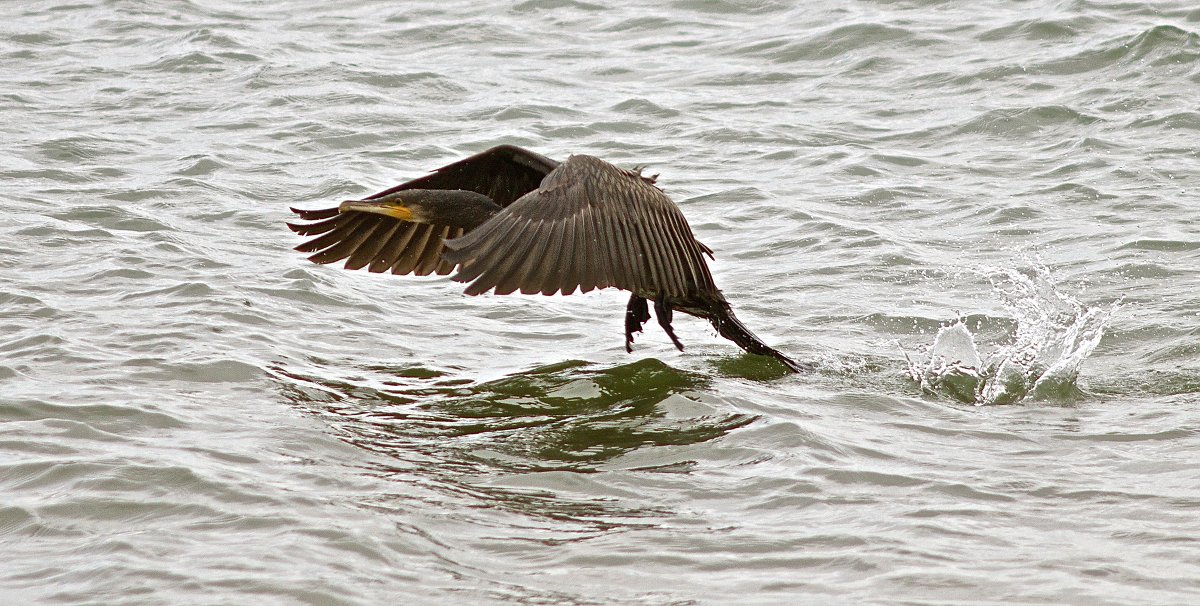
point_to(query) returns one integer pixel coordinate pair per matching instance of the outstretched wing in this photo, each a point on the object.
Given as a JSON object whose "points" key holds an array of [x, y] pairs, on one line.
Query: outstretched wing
{"points": [[591, 225], [502, 173], [376, 242], [380, 243]]}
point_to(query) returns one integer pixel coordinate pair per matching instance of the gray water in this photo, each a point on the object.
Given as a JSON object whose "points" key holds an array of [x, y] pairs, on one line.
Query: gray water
{"points": [[190, 412]]}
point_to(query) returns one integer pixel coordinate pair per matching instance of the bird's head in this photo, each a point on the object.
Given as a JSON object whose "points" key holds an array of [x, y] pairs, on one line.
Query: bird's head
{"points": [[450, 207]]}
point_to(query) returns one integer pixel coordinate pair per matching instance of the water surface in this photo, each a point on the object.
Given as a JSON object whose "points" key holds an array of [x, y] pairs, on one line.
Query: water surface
{"points": [[192, 413]]}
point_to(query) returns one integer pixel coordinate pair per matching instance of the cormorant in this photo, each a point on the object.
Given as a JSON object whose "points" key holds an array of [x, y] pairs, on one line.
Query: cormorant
{"points": [[511, 219]]}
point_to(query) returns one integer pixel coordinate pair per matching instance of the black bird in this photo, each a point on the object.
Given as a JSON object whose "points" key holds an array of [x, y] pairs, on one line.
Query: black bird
{"points": [[511, 219]]}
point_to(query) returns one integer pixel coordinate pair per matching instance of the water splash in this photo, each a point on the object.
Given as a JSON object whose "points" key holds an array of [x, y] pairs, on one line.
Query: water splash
{"points": [[1054, 334]]}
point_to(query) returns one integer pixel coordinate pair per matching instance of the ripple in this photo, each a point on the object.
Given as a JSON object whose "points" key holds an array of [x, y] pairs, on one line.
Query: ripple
{"points": [[111, 417], [81, 148], [199, 166], [112, 217], [836, 42], [1161, 245], [215, 371], [1023, 122], [1160, 45], [1037, 29], [186, 63]]}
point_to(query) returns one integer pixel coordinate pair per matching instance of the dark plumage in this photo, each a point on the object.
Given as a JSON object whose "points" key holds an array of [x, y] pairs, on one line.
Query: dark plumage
{"points": [[513, 220]]}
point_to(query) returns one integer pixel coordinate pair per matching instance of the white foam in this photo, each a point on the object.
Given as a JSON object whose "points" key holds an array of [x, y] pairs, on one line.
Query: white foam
{"points": [[1054, 334]]}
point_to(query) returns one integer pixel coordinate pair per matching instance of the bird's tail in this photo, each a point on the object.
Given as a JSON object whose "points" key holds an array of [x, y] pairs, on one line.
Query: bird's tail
{"points": [[728, 326]]}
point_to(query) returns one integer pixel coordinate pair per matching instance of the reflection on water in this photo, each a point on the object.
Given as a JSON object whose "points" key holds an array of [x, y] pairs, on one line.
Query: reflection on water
{"points": [[445, 433], [1054, 334]]}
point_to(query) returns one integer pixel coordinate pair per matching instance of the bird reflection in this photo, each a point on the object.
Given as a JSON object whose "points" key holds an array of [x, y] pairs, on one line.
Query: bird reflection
{"points": [[450, 441], [565, 416]]}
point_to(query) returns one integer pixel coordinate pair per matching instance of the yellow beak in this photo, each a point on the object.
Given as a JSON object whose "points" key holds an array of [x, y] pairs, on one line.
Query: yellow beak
{"points": [[393, 207]]}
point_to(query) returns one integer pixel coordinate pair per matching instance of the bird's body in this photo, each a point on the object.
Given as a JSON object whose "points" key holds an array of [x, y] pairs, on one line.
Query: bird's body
{"points": [[513, 220]]}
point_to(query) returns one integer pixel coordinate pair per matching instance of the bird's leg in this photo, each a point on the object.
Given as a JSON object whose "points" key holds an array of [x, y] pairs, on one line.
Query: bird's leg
{"points": [[662, 309], [636, 314]]}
